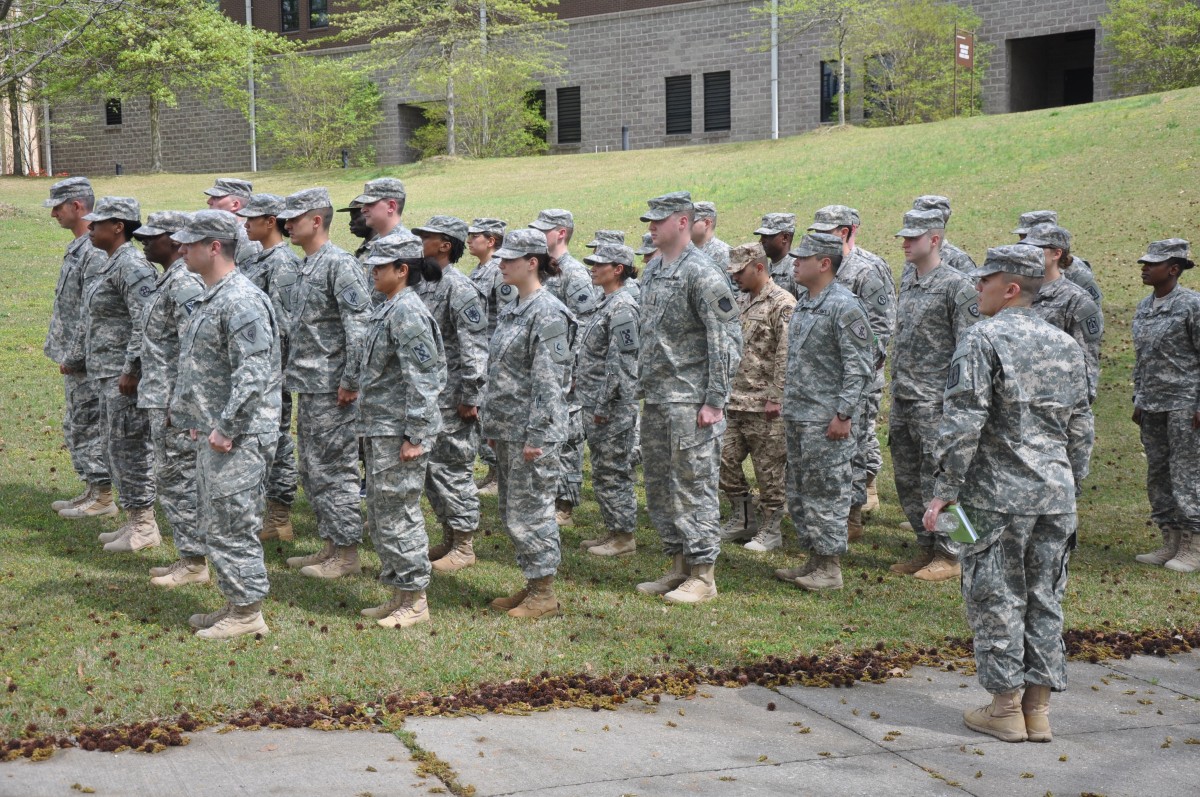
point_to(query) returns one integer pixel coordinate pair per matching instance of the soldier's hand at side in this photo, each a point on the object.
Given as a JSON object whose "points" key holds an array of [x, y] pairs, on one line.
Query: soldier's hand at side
{"points": [[599, 420], [64, 370], [127, 384], [194, 434], [531, 453], [468, 412], [707, 416], [931, 514], [1137, 415], [410, 451], [346, 397], [1196, 419], [491, 443], [772, 410], [219, 442], [838, 429]]}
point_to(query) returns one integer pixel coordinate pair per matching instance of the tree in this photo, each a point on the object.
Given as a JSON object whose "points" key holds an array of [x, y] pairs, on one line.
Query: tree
{"points": [[37, 31], [1156, 43]]}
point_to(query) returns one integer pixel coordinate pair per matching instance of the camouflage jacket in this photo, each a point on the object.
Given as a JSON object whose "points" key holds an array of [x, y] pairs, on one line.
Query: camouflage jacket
{"points": [[763, 370], [1080, 272], [606, 363], [264, 270], [495, 291], [246, 249], [782, 272], [160, 330], [1065, 305], [956, 258], [931, 315], [870, 279], [113, 300], [830, 358], [1166, 343], [456, 306], [573, 287], [66, 318], [377, 297], [1017, 428], [718, 252]]}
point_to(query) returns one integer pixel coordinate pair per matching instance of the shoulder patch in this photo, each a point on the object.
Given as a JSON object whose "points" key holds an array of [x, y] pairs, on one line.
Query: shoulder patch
{"points": [[250, 330], [468, 307], [624, 331], [505, 292], [856, 322], [1093, 326], [187, 296], [554, 335], [718, 297], [423, 352], [350, 286], [959, 379]]}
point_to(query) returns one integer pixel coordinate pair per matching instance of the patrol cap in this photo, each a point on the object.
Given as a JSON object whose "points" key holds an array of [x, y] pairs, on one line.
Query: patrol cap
{"points": [[380, 188], [351, 207], [610, 253], [919, 222], [609, 237], [744, 255], [487, 227], [1159, 251], [821, 244], [775, 223], [667, 205], [262, 205], [231, 186], [68, 189], [301, 202], [552, 219], [1027, 220], [209, 224], [647, 245], [522, 243], [125, 208], [162, 222], [1023, 260], [446, 225], [390, 248], [1050, 235], [934, 202], [831, 217], [705, 210]]}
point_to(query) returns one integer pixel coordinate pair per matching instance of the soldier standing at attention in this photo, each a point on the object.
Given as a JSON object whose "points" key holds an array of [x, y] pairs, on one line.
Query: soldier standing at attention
{"points": [[686, 364], [227, 394], [1073, 267], [325, 331], [952, 256], [1016, 436], [357, 227], [381, 205], [648, 250], [1166, 402], [232, 194], [936, 305], [776, 233], [70, 200], [403, 373], [484, 237], [704, 234], [525, 417], [617, 238]]}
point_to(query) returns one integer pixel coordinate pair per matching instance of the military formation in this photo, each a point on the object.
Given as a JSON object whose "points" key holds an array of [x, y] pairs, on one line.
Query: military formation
{"points": [[182, 364]]}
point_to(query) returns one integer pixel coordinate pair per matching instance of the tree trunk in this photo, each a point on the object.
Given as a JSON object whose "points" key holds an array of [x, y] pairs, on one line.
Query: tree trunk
{"points": [[451, 143], [156, 164], [14, 116]]}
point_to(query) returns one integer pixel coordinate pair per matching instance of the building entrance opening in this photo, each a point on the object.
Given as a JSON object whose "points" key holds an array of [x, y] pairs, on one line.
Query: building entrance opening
{"points": [[1050, 71], [412, 118]]}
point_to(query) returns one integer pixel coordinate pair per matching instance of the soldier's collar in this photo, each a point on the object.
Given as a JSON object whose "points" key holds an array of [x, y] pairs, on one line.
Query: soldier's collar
{"points": [[518, 306]]}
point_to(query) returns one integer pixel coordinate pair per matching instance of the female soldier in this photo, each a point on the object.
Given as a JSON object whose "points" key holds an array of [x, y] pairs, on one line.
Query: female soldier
{"points": [[1166, 402], [525, 417], [606, 382], [403, 372]]}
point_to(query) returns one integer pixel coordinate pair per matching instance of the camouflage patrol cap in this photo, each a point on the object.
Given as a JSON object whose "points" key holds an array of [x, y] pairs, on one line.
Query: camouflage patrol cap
{"points": [[487, 227], [350, 208], [744, 255], [831, 217], [610, 253], [934, 202], [1027, 220], [919, 222], [552, 219], [380, 188], [610, 237], [209, 224], [231, 186], [705, 210], [162, 222], [262, 205], [775, 223], [1159, 251], [1023, 260], [390, 248], [647, 246], [667, 205], [820, 244], [446, 225], [1048, 235], [68, 189], [125, 208], [306, 201], [522, 243]]}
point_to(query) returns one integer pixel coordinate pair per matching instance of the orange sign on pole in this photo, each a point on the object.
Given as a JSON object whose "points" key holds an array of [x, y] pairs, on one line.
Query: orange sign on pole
{"points": [[964, 49]]}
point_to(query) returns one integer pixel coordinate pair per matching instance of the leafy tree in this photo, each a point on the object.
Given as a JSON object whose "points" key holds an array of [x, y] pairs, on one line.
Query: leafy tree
{"points": [[34, 32], [1156, 43]]}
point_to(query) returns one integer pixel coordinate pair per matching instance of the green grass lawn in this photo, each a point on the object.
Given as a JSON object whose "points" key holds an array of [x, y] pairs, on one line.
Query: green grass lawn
{"points": [[85, 639]]}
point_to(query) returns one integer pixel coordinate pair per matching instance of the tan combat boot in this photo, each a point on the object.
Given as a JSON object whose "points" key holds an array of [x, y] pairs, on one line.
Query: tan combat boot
{"points": [[1166, 553], [941, 568], [101, 504], [212, 618], [489, 484], [872, 497], [83, 497], [343, 562], [460, 556], [619, 544], [277, 525], [413, 609], [676, 575], [562, 513], [825, 575], [192, 570], [1002, 718], [768, 537], [592, 542], [790, 574], [743, 519], [444, 547], [240, 621], [511, 601], [919, 562], [854, 524], [540, 600], [105, 537], [312, 558], [1187, 558], [141, 532], [1035, 705], [387, 607], [699, 587]]}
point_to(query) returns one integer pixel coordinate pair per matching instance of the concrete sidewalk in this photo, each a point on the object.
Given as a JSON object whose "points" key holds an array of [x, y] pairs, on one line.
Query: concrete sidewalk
{"points": [[1124, 728]]}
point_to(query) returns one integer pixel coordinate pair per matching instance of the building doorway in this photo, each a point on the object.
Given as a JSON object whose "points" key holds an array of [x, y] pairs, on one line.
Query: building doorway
{"points": [[1051, 71]]}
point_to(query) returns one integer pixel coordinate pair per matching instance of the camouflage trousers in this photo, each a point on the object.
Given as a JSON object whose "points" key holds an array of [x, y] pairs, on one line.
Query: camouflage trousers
{"points": [[327, 444], [1013, 580], [751, 434], [570, 474], [681, 474], [175, 480], [282, 477], [819, 486], [82, 430], [613, 474], [1172, 469], [394, 515], [450, 480], [527, 506], [129, 445], [868, 459], [912, 437], [231, 493], [487, 453]]}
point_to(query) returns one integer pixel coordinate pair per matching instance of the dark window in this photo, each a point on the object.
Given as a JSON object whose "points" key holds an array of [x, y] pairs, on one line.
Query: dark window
{"points": [[717, 113], [289, 15], [112, 112], [829, 90], [679, 105], [318, 13], [536, 101], [570, 115]]}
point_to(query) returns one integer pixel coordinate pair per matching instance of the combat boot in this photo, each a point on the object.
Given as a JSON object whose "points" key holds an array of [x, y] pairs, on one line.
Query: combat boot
{"points": [[83, 497], [101, 504], [105, 537], [768, 537], [444, 547], [277, 525], [387, 607], [1002, 718], [413, 609], [919, 562], [141, 532], [511, 601], [676, 575], [699, 587], [1187, 558], [790, 574], [941, 568], [854, 524], [562, 513], [342, 562], [619, 544], [312, 558], [872, 497], [240, 621], [489, 484], [192, 570], [743, 522], [594, 541], [1166, 553], [460, 556], [1035, 705], [540, 600], [825, 575], [212, 618]]}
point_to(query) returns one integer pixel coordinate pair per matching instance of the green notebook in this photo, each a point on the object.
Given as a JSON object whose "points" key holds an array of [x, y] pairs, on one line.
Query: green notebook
{"points": [[964, 532]]}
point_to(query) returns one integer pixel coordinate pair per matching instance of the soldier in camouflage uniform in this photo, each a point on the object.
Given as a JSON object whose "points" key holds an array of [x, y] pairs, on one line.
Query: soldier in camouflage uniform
{"points": [[227, 394], [1166, 402], [358, 228], [1016, 436], [936, 305], [403, 373], [688, 356], [647, 251], [160, 329], [380, 205], [776, 233], [525, 417], [704, 235], [484, 237], [606, 384], [617, 238], [70, 200], [1073, 267], [754, 428], [460, 313], [232, 194], [952, 256], [329, 306]]}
